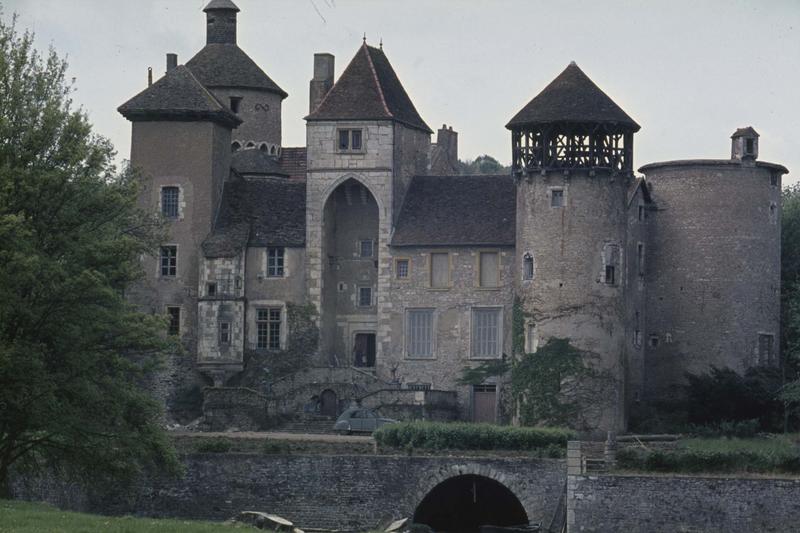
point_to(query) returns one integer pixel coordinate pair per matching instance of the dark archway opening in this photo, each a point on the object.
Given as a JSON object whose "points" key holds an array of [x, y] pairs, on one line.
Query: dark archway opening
{"points": [[328, 404], [464, 503]]}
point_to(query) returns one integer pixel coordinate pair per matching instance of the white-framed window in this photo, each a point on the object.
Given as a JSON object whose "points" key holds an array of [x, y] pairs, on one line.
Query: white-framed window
{"points": [[364, 296], [366, 248], [419, 333], [402, 268], [488, 267], [440, 270], [268, 328], [557, 197], [486, 332], [350, 140], [527, 266], [170, 201], [224, 333], [275, 262], [168, 261], [174, 314]]}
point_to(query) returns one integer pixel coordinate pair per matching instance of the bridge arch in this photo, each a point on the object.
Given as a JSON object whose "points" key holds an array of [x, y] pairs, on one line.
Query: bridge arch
{"points": [[478, 493]]}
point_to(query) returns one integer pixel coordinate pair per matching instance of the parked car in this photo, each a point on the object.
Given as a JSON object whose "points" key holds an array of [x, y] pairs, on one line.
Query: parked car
{"points": [[360, 419]]}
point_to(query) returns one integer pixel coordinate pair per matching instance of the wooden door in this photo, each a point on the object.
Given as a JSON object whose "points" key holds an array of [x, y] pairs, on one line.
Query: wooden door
{"points": [[328, 404], [484, 403]]}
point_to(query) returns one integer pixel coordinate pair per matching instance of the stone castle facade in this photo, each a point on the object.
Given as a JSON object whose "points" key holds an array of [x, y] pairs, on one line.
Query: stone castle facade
{"points": [[400, 273]]}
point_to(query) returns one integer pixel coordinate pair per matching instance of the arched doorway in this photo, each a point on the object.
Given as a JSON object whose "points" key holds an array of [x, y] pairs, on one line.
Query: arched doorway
{"points": [[328, 404], [464, 503], [350, 252]]}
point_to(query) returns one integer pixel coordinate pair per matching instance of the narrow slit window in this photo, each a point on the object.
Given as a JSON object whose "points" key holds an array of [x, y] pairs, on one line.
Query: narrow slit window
{"points": [[224, 333], [557, 198], [527, 267]]}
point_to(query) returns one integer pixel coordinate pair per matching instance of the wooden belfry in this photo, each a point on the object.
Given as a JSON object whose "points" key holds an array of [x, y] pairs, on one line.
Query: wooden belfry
{"points": [[572, 124]]}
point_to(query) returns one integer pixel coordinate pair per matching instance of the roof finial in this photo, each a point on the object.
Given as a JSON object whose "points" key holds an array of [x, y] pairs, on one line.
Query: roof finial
{"points": [[573, 63], [365, 38]]}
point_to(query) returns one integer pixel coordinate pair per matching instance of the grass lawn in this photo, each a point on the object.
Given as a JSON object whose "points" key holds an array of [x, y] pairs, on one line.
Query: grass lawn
{"points": [[26, 517]]}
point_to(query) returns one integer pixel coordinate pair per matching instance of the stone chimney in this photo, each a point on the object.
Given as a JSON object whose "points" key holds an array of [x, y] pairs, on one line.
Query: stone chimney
{"points": [[172, 61], [744, 144], [322, 81], [221, 22], [448, 140], [444, 152]]}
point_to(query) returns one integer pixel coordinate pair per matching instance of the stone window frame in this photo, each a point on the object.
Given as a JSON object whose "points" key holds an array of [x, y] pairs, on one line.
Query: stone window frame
{"points": [[499, 310], [282, 266], [550, 196], [360, 249], [224, 333], [371, 296], [407, 333], [449, 271], [395, 270], [528, 257], [269, 322], [478, 254], [617, 266], [252, 325], [181, 200], [159, 262], [179, 331], [349, 150]]}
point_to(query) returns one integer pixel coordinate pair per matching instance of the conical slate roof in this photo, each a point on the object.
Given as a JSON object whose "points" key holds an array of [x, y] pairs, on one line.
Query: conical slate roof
{"points": [[226, 65], [220, 4], [177, 96], [572, 97], [369, 89]]}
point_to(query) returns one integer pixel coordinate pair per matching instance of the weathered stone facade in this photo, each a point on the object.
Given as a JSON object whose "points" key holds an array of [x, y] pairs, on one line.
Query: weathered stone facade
{"points": [[651, 277]]}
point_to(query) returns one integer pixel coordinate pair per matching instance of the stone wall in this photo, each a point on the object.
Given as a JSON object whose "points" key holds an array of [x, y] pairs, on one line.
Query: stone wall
{"points": [[653, 504]]}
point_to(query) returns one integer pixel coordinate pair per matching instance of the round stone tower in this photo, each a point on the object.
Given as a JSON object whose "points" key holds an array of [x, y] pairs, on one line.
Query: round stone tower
{"points": [[238, 82], [572, 159], [714, 265]]}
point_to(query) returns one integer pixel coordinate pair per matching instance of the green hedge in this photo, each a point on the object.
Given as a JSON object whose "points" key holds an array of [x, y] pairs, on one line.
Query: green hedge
{"points": [[695, 461], [461, 436]]}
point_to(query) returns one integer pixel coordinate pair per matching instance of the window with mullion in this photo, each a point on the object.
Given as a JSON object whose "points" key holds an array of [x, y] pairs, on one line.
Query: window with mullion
{"points": [[268, 328], [275, 262], [169, 261], [169, 201]]}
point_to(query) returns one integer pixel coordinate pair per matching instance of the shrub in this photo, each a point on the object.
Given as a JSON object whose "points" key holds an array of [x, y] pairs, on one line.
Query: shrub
{"points": [[218, 445], [462, 436]]}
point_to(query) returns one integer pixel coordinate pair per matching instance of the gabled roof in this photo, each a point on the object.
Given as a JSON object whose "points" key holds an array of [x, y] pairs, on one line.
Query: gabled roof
{"points": [[572, 97], [458, 211], [221, 4], [639, 183], [226, 65], [177, 96], [255, 162], [369, 89], [293, 161], [745, 132], [261, 212]]}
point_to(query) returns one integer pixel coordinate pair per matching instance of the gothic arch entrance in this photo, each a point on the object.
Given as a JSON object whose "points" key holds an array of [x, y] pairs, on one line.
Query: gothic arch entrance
{"points": [[328, 404], [464, 503]]}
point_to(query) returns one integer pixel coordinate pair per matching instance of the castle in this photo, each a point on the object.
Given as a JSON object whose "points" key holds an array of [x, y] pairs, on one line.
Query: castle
{"points": [[404, 273]]}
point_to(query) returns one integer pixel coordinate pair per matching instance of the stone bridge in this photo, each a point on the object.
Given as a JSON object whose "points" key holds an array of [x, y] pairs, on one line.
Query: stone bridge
{"points": [[357, 492]]}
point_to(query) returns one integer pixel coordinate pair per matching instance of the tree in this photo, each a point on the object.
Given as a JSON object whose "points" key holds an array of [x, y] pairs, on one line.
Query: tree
{"points": [[72, 350], [483, 164], [790, 301]]}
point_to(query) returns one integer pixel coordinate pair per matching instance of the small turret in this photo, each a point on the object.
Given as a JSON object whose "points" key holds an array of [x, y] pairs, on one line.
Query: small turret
{"points": [[221, 22], [744, 144]]}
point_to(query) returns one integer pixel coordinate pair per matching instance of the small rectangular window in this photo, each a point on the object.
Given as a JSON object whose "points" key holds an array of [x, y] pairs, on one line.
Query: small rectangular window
{"points": [[654, 341], [419, 333], [766, 349], [350, 140], [275, 262], [344, 139], [640, 258], [364, 296], [557, 198], [365, 248], [486, 334], [611, 260], [224, 333], [773, 180], [488, 269], [211, 289], [235, 101], [355, 139], [610, 273], [169, 261], [268, 328], [641, 213], [174, 327], [749, 146], [401, 268], [169, 201], [440, 270]]}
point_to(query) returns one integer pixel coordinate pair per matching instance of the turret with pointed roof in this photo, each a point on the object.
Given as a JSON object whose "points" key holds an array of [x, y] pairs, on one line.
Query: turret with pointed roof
{"points": [[572, 123]]}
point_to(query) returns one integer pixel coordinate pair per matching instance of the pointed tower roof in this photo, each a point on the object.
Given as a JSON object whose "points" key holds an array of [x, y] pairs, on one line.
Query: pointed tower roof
{"points": [[572, 97], [227, 65], [178, 96], [745, 132], [220, 5], [369, 89]]}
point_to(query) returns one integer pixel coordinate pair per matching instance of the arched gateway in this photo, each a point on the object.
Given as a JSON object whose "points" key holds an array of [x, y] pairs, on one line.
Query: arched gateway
{"points": [[465, 502]]}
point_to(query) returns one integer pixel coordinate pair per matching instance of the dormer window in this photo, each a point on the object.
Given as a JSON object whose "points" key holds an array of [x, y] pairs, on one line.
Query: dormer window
{"points": [[749, 146], [350, 140]]}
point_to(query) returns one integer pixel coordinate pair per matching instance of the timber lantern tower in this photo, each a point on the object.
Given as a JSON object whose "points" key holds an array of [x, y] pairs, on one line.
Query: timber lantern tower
{"points": [[572, 124]]}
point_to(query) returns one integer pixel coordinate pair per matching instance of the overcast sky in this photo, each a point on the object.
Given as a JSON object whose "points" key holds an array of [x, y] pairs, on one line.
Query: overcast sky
{"points": [[688, 72]]}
